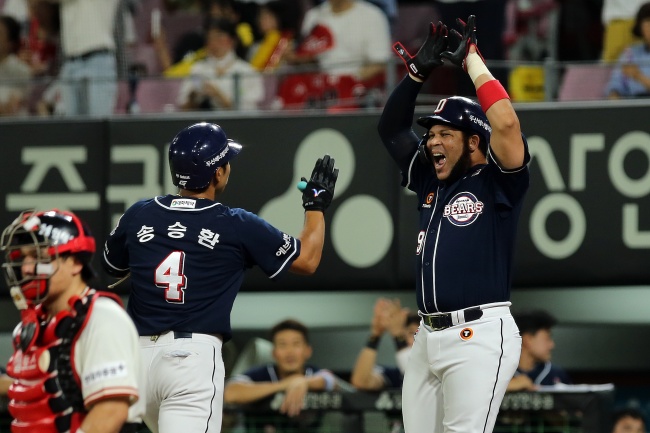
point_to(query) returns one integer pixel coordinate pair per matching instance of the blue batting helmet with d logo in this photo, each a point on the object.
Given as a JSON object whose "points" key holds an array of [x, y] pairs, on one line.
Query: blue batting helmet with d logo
{"points": [[197, 152], [462, 113]]}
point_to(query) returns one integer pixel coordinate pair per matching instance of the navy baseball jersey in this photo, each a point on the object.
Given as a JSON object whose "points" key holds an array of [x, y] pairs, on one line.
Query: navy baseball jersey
{"points": [[268, 373], [474, 218], [393, 378], [545, 373], [187, 259], [306, 422]]}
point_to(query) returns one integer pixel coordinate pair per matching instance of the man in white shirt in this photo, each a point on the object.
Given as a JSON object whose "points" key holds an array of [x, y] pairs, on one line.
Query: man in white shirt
{"points": [[345, 37], [221, 81]]}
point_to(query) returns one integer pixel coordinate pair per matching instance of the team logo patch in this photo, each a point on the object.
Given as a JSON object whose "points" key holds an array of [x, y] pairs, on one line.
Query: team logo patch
{"points": [[183, 203], [466, 334], [463, 209], [428, 200]]}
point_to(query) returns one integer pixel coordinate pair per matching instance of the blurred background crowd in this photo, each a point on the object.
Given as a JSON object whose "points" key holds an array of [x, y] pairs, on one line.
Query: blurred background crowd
{"points": [[105, 57]]}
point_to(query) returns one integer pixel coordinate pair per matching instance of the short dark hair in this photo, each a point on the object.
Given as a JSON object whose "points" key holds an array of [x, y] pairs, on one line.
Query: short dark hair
{"points": [[88, 274], [529, 322], [627, 412], [223, 25], [290, 325], [642, 14]]}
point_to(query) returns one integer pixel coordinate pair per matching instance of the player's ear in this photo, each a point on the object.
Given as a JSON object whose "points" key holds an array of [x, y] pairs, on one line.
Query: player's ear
{"points": [[474, 141]]}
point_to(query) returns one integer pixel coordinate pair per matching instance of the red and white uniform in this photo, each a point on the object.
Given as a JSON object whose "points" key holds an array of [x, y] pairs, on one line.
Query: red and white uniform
{"points": [[73, 360]]}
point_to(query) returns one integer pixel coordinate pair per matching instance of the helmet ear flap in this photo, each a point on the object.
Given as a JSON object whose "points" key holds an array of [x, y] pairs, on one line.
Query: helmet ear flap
{"points": [[423, 155]]}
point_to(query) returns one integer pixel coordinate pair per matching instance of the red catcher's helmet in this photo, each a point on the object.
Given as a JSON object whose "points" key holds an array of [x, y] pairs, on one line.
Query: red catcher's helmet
{"points": [[45, 235]]}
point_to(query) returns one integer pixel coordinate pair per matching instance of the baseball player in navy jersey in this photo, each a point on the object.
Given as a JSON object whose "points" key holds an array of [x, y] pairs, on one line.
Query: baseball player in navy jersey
{"points": [[186, 255], [289, 375], [535, 367], [469, 171]]}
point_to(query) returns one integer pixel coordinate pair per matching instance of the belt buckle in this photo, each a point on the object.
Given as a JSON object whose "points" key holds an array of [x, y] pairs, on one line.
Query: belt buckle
{"points": [[154, 338], [436, 327]]}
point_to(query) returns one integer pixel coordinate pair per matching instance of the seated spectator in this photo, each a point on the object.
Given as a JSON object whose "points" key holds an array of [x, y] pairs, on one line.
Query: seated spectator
{"points": [[176, 61], [631, 76], [221, 81], [277, 23], [14, 73], [537, 343], [628, 420], [388, 317], [289, 374]]}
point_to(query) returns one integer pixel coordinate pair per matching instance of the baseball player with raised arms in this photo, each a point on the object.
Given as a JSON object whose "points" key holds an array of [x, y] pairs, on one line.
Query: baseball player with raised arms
{"points": [[186, 255], [76, 358], [469, 171]]}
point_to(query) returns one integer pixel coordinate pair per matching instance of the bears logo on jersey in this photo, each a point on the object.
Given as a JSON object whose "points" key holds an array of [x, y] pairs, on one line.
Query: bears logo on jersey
{"points": [[463, 209]]}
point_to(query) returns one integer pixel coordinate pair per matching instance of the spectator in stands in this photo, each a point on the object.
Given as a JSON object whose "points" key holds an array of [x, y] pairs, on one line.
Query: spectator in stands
{"points": [[628, 420], [277, 21], [177, 61], [345, 37], [40, 48], [631, 76], [221, 81], [537, 343], [14, 73], [89, 72], [289, 374], [388, 317], [618, 20]]}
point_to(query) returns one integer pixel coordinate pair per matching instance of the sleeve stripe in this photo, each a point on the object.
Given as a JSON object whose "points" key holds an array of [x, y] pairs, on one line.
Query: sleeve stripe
{"points": [[295, 249], [111, 265], [112, 392], [408, 181]]}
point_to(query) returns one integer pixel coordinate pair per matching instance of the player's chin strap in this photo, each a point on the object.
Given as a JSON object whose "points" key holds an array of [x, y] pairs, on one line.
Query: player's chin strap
{"points": [[120, 281]]}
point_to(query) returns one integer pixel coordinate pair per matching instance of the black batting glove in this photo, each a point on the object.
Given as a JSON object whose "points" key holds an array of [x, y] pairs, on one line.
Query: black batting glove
{"points": [[317, 192], [465, 41], [428, 56]]}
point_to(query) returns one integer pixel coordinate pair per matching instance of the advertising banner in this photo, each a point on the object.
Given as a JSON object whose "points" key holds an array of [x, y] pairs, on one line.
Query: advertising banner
{"points": [[586, 220]]}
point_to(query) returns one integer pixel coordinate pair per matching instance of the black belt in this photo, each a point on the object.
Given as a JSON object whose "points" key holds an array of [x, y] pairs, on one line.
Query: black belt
{"points": [[179, 334], [89, 54], [442, 321]]}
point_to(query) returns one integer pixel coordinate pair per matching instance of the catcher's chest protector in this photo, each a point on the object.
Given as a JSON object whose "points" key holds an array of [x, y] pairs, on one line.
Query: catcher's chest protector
{"points": [[46, 395]]}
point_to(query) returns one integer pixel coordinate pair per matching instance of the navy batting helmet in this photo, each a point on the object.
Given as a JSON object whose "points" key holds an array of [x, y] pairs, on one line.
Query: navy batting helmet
{"points": [[197, 152], [462, 113]]}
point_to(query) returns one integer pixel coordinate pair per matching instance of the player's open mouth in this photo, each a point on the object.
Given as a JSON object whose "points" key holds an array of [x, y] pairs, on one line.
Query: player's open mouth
{"points": [[439, 160]]}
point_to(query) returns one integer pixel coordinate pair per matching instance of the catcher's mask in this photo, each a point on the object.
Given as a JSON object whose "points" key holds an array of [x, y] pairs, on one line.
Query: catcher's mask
{"points": [[33, 241]]}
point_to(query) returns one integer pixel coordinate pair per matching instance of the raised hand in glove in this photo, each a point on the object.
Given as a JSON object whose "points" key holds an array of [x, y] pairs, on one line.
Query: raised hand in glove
{"points": [[465, 41], [317, 192], [428, 56]]}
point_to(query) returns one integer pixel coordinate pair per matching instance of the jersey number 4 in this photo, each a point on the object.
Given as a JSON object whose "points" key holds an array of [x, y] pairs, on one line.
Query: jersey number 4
{"points": [[169, 276]]}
